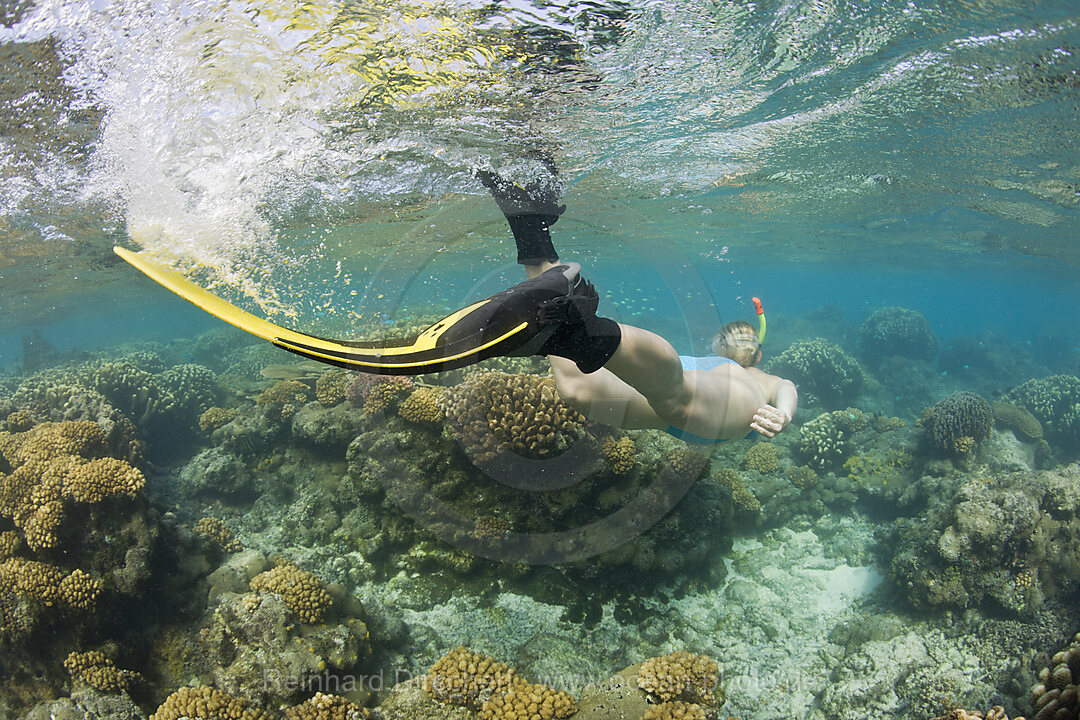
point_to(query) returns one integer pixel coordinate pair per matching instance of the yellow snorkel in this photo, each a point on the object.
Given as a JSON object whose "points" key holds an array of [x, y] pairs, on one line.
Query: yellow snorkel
{"points": [[760, 320]]}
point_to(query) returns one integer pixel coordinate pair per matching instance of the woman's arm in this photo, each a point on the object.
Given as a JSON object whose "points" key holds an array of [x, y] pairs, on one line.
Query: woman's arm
{"points": [[774, 417]]}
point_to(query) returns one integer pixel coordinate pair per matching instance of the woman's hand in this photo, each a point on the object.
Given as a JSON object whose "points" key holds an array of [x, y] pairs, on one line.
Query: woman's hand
{"points": [[769, 420]]}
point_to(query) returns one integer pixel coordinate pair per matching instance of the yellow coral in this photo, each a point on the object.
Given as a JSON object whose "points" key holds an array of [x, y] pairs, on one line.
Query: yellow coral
{"points": [[98, 479], [32, 580], [330, 387], [877, 469], [462, 677], [680, 675], [494, 413], [620, 454], [687, 462], [529, 702], [740, 494], [284, 392], [212, 529], [216, 417], [9, 544], [302, 592], [99, 672], [19, 421], [802, 476], [326, 707], [489, 526], [79, 590], [423, 406], [675, 710], [205, 703], [385, 392], [762, 457]]}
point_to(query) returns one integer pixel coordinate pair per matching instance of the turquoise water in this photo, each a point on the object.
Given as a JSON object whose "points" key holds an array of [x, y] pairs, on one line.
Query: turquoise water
{"points": [[313, 162]]}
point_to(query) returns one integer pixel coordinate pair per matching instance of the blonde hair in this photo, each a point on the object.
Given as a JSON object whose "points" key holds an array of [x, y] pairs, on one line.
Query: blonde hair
{"points": [[738, 341]]}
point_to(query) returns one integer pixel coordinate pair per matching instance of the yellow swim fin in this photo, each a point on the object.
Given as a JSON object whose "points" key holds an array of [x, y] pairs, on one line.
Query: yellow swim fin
{"points": [[505, 324]]}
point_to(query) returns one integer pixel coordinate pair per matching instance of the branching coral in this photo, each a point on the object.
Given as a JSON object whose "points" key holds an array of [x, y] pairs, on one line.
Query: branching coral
{"points": [[99, 672], [494, 413], [376, 393], [682, 676], [802, 476], [898, 331], [762, 457], [676, 710], [958, 423], [462, 677], [47, 585], [216, 417], [302, 592], [281, 393], [826, 441], [205, 703], [529, 702], [213, 530], [327, 707], [620, 453], [821, 370]]}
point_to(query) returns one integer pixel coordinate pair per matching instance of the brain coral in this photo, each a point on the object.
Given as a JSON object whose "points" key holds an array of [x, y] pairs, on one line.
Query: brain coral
{"points": [[898, 331], [680, 675], [462, 677], [1055, 402], [529, 702], [821, 370], [958, 423], [302, 592], [493, 413], [1015, 418]]}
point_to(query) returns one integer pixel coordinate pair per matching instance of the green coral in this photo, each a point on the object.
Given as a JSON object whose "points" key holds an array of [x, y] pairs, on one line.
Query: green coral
{"points": [[876, 469], [762, 457], [893, 331], [821, 371], [958, 423]]}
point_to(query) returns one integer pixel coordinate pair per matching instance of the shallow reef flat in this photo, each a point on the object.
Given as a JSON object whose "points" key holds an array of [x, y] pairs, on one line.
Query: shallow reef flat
{"points": [[215, 533]]}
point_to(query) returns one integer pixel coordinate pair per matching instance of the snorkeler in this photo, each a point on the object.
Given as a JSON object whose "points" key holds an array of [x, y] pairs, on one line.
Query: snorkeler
{"points": [[616, 374], [626, 376]]}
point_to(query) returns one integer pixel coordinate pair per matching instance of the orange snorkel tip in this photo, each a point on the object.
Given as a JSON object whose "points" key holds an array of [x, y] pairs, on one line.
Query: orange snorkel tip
{"points": [[760, 319]]}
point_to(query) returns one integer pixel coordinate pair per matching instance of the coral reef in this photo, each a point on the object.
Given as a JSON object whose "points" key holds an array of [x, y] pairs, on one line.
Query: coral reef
{"points": [[826, 441], [206, 703], [283, 397], [802, 476], [995, 713], [376, 393], [740, 494], [958, 423], [213, 530], [527, 701], [1054, 697], [762, 457], [99, 672], [493, 413], [463, 677], [688, 463], [327, 707], [1055, 402], [680, 675], [1011, 541], [1013, 417], [676, 710], [893, 331], [822, 371], [330, 387], [302, 592], [216, 417], [620, 453], [424, 405]]}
